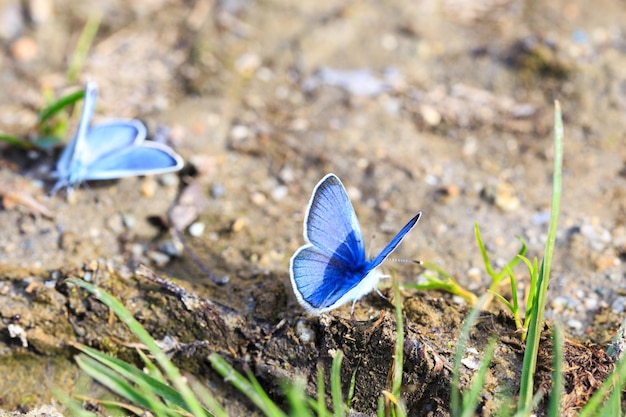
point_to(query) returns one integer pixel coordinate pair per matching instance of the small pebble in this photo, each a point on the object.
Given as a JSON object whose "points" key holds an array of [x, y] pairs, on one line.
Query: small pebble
{"points": [[456, 299], [540, 218], [247, 64], [505, 197], [217, 191], [172, 248], [597, 236], [116, 224], [430, 115], [559, 304], [280, 192], [574, 324], [471, 363], [287, 174], [238, 225], [39, 11], [24, 49], [129, 221], [591, 303], [159, 258], [239, 132], [148, 187], [258, 199], [304, 332], [473, 273], [17, 331], [196, 229], [136, 250], [618, 305], [169, 180], [470, 147], [446, 194]]}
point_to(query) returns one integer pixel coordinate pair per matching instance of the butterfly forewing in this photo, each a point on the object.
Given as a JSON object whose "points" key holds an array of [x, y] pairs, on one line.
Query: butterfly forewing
{"points": [[147, 158], [379, 259], [76, 147], [105, 139], [331, 224]]}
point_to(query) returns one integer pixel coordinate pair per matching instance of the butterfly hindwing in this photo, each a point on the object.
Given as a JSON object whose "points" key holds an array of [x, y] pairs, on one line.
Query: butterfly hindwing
{"points": [[319, 279], [331, 224]]}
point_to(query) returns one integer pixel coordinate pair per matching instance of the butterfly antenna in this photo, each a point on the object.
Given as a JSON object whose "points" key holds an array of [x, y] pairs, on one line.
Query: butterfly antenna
{"points": [[369, 249], [405, 261]]}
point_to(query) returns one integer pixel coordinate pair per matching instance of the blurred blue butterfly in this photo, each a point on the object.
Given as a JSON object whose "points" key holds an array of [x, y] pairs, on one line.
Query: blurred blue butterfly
{"points": [[110, 150], [331, 268]]}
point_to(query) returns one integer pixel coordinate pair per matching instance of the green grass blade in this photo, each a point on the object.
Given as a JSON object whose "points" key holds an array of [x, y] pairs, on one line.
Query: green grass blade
{"points": [[208, 399], [455, 393], [503, 300], [398, 359], [351, 388], [74, 407], [380, 412], [151, 368], [15, 141], [250, 388], [270, 407], [526, 412], [320, 404], [59, 105], [335, 385], [471, 398], [296, 397], [513, 262], [557, 378], [447, 284], [613, 404], [174, 375], [483, 253], [136, 376], [82, 47], [120, 386], [536, 324]]}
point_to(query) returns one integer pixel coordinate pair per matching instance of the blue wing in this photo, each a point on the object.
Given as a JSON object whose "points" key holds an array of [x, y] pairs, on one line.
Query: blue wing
{"points": [[105, 139], [76, 146], [379, 259], [320, 280], [331, 224], [147, 158]]}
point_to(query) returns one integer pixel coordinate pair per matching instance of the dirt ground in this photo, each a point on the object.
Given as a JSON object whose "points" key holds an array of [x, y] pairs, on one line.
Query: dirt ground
{"points": [[442, 107]]}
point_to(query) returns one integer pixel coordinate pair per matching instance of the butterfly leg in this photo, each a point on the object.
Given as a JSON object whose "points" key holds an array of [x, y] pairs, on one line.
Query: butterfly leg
{"points": [[352, 310]]}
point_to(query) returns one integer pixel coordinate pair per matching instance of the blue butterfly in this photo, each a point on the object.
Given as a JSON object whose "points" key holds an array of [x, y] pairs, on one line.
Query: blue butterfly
{"points": [[331, 268], [110, 150]]}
